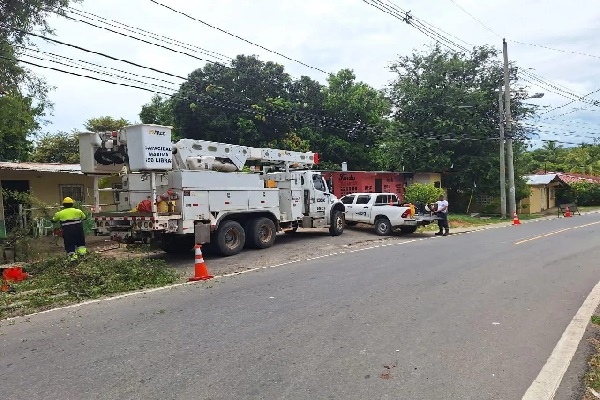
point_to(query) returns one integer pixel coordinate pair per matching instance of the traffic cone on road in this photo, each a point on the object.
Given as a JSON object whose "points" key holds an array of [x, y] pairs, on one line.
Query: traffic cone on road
{"points": [[200, 271], [516, 219], [567, 212]]}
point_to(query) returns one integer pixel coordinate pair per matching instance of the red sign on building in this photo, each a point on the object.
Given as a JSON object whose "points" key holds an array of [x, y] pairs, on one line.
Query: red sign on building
{"points": [[345, 182]]}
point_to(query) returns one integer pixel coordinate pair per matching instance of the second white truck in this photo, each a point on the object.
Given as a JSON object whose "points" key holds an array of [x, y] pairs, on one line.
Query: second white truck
{"points": [[384, 211]]}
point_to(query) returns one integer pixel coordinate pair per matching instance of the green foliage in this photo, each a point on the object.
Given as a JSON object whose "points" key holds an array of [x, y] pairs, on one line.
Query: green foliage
{"points": [[61, 147], [584, 159], [19, 235], [55, 281], [105, 124], [585, 193], [277, 110], [23, 95], [160, 112], [440, 99], [421, 193]]}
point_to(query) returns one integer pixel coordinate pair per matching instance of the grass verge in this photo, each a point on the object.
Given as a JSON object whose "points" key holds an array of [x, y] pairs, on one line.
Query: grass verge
{"points": [[592, 376], [55, 282], [466, 221]]}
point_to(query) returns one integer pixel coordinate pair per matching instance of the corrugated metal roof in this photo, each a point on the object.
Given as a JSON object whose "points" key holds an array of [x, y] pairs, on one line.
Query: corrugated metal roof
{"points": [[41, 167], [539, 179], [576, 178]]}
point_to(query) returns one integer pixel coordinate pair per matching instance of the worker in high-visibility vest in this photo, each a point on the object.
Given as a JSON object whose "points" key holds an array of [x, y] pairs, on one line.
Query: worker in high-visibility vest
{"points": [[71, 221]]}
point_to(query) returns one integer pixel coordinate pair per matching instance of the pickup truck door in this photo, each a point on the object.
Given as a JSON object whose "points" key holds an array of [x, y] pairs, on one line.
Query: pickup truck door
{"points": [[348, 202], [362, 208]]}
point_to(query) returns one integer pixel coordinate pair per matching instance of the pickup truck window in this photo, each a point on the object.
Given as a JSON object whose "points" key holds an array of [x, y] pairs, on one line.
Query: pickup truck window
{"points": [[347, 199], [386, 199], [364, 199]]}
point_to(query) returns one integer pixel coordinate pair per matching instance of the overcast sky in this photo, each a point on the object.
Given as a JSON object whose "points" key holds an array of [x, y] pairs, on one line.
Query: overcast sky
{"points": [[330, 35]]}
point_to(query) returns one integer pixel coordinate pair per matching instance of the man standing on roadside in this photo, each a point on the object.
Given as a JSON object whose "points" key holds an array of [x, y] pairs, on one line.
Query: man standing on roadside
{"points": [[442, 214], [71, 222]]}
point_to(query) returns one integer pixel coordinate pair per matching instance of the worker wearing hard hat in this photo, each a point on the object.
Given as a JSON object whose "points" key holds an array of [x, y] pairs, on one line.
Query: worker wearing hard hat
{"points": [[71, 222]]}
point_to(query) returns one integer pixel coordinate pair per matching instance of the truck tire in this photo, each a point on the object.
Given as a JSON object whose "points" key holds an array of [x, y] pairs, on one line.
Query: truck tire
{"points": [[261, 233], [408, 229], [230, 238], [337, 223], [383, 226], [175, 244]]}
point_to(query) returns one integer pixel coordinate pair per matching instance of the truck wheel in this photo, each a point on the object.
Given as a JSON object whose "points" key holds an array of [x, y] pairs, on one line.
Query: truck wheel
{"points": [[230, 238], [337, 224], [383, 226], [173, 244], [351, 223], [408, 229], [261, 232]]}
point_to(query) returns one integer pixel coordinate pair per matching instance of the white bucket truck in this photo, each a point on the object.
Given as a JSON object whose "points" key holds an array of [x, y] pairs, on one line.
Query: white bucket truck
{"points": [[198, 192]]}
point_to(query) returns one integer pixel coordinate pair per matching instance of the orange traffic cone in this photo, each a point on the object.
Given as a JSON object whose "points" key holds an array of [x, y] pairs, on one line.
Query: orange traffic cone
{"points": [[567, 212], [200, 271], [516, 219]]}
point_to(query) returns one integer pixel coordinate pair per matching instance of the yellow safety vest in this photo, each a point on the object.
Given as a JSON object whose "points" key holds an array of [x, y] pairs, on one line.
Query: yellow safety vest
{"points": [[69, 216]]}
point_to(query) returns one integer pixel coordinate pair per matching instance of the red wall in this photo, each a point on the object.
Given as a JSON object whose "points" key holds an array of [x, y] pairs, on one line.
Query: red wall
{"points": [[347, 182]]}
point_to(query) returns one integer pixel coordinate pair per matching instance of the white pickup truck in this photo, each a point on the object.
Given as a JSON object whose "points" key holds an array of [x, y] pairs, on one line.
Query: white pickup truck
{"points": [[384, 212]]}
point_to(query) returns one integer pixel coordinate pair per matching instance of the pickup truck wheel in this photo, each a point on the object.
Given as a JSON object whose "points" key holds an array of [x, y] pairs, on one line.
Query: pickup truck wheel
{"points": [[383, 226], [408, 229], [261, 232], [351, 223], [230, 238], [337, 223]]}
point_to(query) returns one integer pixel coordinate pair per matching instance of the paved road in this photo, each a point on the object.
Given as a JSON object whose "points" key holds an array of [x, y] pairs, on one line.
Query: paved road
{"points": [[471, 316]]}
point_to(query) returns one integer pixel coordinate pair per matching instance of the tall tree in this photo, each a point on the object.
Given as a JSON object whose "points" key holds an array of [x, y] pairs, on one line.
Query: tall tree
{"points": [[446, 116], [105, 124], [62, 147], [23, 95], [234, 104]]}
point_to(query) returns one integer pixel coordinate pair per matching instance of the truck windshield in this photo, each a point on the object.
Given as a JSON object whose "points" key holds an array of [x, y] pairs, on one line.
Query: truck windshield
{"points": [[319, 184]]}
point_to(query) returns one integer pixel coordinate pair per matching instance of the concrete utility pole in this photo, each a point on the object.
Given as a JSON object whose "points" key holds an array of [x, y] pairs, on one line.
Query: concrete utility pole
{"points": [[502, 157], [512, 203]]}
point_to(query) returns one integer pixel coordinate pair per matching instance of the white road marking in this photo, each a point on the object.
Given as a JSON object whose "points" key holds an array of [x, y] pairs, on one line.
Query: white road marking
{"points": [[546, 384]]}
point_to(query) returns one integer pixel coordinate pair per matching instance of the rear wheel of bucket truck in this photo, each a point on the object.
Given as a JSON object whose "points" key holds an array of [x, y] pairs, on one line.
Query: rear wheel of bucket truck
{"points": [[260, 233], [230, 238], [337, 223]]}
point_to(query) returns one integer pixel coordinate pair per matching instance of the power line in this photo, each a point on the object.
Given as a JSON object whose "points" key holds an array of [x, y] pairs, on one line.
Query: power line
{"points": [[82, 75], [70, 64], [98, 53], [152, 35], [238, 37], [136, 38], [77, 61], [476, 19], [571, 102], [554, 49]]}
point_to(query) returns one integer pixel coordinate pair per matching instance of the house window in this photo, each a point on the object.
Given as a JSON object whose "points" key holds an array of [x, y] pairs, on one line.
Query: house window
{"points": [[73, 191], [116, 194]]}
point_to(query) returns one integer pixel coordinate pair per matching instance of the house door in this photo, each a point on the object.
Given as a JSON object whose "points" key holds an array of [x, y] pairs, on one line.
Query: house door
{"points": [[10, 203], [378, 185]]}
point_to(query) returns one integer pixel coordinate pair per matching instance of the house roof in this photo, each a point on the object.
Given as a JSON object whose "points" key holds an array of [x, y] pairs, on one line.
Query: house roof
{"points": [[540, 179], [564, 177], [572, 177], [41, 167]]}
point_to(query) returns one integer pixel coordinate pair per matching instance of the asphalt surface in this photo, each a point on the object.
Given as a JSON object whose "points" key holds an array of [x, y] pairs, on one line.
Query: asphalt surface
{"points": [[470, 316]]}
